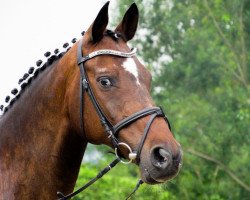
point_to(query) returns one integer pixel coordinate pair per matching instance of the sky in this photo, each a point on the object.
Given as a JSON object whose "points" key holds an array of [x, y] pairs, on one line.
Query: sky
{"points": [[29, 28]]}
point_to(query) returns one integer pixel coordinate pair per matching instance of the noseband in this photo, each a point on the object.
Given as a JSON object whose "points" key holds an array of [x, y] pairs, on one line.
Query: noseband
{"points": [[112, 131]]}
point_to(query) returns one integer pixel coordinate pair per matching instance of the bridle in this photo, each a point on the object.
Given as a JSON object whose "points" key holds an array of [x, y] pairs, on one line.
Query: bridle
{"points": [[112, 131]]}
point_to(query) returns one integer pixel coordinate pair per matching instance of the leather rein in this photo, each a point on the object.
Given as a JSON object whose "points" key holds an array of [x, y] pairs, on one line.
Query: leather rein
{"points": [[112, 131]]}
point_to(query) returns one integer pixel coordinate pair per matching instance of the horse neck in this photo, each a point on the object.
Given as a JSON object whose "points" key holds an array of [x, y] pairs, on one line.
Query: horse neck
{"points": [[38, 137]]}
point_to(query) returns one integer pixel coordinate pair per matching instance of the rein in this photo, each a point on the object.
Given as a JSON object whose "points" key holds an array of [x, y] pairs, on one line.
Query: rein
{"points": [[112, 131]]}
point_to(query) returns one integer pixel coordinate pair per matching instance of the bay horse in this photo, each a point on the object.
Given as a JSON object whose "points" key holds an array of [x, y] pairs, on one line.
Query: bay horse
{"points": [[45, 129]]}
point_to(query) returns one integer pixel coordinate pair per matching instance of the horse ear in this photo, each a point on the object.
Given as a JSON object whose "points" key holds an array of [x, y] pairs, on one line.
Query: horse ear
{"points": [[99, 25], [128, 25]]}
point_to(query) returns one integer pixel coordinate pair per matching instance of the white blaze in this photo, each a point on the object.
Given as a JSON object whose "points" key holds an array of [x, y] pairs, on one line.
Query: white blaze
{"points": [[101, 70], [130, 66]]}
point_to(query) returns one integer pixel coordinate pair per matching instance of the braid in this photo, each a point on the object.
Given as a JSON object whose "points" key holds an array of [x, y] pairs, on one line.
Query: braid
{"points": [[32, 73]]}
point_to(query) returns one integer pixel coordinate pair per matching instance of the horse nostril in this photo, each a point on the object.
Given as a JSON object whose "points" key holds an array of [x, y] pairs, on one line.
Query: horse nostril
{"points": [[161, 158]]}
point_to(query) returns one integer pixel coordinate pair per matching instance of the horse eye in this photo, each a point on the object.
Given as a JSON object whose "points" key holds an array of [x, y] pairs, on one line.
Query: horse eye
{"points": [[105, 82]]}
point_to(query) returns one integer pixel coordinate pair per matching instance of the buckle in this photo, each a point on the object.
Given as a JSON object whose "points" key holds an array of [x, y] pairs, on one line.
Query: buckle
{"points": [[131, 155], [85, 84], [160, 112]]}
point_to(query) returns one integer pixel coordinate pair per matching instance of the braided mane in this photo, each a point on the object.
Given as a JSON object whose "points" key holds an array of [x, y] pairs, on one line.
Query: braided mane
{"points": [[32, 73]]}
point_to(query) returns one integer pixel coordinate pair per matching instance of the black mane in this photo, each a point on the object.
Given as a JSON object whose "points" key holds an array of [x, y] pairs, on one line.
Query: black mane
{"points": [[32, 73]]}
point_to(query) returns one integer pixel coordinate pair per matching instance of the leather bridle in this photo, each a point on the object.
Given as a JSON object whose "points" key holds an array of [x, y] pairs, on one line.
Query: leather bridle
{"points": [[112, 131]]}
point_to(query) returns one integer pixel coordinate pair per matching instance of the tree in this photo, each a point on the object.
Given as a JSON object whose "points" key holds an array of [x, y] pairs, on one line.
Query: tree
{"points": [[199, 54]]}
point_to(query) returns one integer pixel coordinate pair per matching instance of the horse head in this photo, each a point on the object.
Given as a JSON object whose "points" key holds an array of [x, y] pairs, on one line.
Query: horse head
{"points": [[46, 126], [119, 84]]}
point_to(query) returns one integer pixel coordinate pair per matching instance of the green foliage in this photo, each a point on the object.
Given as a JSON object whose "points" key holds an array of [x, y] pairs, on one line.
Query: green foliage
{"points": [[198, 52], [117, 184]]}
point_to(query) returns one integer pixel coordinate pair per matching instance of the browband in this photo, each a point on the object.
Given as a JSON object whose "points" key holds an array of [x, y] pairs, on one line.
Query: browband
{"points": [[107, 52]]}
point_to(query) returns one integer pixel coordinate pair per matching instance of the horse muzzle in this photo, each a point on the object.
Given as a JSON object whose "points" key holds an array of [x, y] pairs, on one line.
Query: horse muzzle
{"points": [[162, 165]]}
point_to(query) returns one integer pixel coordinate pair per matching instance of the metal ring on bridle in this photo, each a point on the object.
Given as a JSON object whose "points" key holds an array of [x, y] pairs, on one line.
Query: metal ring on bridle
{"points": [[131, 155]]}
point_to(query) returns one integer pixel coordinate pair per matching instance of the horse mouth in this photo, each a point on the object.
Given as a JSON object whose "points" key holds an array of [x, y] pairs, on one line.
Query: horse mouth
{"points": [[149, 179], [147, 176]]}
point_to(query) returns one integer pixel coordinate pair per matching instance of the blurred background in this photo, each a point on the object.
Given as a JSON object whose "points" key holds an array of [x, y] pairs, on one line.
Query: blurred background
{"points": [[198, 52]]}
